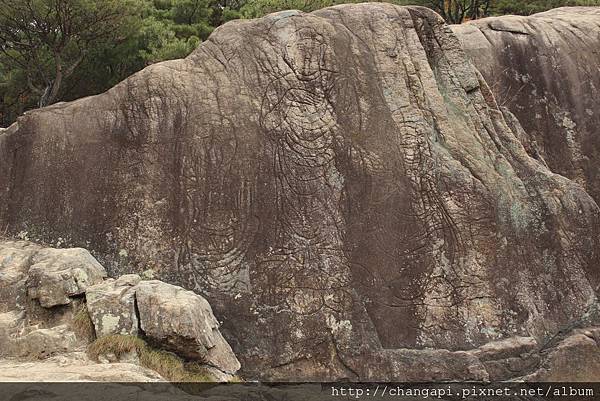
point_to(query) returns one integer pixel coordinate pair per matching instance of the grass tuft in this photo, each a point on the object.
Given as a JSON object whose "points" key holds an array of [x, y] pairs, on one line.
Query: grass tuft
{"points": [[116, 344], [83, 325], [165, 363]]}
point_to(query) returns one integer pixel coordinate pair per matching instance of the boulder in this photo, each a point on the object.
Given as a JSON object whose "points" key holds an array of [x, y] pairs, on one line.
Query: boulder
{"points": [[111, 305], [57, 275], [183, 322]]}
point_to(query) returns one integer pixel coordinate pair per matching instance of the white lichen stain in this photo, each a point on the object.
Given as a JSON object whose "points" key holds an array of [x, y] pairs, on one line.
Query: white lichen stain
{"points": [[110, 323]]}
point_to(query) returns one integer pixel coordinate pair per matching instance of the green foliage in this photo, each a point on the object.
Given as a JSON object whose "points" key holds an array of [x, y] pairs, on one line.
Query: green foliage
{"points": [[87, 46], [258, 8], [160, 40], [502, 7], [167, 364], [54, 50], [457, 11], [44, 41]]}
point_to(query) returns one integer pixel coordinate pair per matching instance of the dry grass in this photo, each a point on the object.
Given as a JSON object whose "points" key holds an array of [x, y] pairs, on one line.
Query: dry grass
{"points": [[116, 344], [83, 325], [167, 364]]}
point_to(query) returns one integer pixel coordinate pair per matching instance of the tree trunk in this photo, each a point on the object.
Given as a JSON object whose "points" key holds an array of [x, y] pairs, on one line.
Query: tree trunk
{"points": [[52, 90]]}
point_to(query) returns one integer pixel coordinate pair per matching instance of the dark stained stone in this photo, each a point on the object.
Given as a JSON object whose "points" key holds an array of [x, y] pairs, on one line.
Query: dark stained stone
{"points": [[545, 69]]}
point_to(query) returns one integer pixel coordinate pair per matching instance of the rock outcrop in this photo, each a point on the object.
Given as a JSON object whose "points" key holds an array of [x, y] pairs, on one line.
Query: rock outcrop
{"points": [[42, 343], [58, 275], [342, 186], [43, 328], [545, 69]]}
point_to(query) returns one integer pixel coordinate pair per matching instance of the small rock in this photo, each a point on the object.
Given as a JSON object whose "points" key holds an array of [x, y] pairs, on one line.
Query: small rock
{"points": [[128, 279]]}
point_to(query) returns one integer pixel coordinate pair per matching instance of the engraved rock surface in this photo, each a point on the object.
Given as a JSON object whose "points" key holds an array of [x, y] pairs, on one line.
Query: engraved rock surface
{"points": [[342, 186]]}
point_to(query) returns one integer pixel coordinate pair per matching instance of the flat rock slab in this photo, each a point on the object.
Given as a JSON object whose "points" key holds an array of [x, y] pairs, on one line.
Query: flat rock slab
{"points": [[73, 367]]}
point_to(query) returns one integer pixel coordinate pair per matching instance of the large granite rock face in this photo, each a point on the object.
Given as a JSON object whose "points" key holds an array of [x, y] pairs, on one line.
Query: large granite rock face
{"points": [[546, 70], [342, 186]]}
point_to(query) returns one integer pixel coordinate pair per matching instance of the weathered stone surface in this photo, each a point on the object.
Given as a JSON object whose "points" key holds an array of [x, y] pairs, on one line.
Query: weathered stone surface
{"points": [[20, 315], [43, 343], [183, 321], [111, 306], [10, 323], [57, 275], [505, 348], [508, 358], [575, 359], [340, 185], [15, 260], [73, 367], [545, 70]]}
